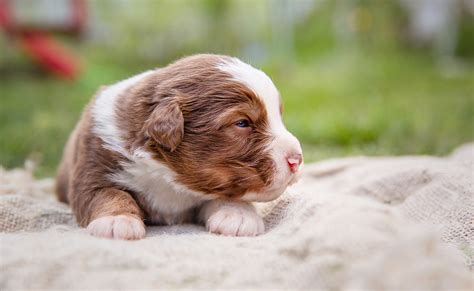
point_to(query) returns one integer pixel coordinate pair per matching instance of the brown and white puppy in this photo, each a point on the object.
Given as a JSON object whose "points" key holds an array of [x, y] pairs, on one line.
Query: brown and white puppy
{"points": [[196, 141]]}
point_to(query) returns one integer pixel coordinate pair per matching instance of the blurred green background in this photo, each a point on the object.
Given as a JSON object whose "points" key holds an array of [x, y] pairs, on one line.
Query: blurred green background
{"points": [[357, 77]]}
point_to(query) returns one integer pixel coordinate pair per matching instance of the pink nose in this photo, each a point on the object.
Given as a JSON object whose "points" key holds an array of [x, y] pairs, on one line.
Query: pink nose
{"points": [[294, 162]]}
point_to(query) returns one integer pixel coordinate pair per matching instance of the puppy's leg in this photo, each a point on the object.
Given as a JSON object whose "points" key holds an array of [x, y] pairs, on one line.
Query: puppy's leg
{"points": [[111, 213], [231, 218]]}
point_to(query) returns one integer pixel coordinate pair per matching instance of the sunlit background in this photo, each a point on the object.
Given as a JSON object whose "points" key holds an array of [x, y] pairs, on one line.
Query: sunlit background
{"points": [[357, 77]]}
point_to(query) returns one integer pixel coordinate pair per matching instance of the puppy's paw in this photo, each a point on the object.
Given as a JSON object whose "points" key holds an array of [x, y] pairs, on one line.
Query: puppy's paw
{"points": [[117, 227], [235, 220]]}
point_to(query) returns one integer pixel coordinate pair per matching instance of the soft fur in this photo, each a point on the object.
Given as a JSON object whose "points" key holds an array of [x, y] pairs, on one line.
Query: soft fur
{"points": [[196, 141]]}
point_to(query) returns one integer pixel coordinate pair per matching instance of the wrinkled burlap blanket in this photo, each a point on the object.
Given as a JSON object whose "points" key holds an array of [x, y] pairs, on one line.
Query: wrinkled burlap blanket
{"points": [[385, 223]]}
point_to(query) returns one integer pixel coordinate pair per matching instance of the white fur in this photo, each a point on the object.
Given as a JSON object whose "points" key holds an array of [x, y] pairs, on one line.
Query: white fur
{"points": [[117, 227], [169, 200], [284, 143], [104, 116], [232, 218]]}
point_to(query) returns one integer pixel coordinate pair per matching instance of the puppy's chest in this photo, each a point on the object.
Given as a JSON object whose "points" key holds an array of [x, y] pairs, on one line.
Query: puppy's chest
{"points": [[164, 201]]}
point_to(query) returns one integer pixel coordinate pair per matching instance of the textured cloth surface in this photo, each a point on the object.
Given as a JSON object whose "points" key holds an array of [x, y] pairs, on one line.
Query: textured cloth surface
{"points": [[385, 223]]}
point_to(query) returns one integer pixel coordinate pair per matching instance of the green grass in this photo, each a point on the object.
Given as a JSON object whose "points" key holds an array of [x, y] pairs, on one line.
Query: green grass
{"points": [[338, 104], [395, 104]]}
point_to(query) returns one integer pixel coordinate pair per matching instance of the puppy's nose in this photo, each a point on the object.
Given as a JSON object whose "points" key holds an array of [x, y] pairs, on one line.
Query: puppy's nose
{"points": [[294, 161]]}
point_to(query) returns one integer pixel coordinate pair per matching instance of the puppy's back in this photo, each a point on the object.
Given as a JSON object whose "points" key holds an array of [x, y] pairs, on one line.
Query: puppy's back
{"points": [[66, 165]]}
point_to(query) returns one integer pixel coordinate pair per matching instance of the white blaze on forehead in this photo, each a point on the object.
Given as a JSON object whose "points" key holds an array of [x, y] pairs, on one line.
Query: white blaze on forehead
{"points": [[284, 142], [258, 82]]}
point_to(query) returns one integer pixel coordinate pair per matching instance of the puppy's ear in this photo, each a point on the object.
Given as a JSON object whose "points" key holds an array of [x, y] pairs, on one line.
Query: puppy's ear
{"points": [[166, 124]]}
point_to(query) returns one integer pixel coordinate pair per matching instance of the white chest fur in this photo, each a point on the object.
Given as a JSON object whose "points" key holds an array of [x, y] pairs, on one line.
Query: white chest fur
{"points": [[168, 202]]}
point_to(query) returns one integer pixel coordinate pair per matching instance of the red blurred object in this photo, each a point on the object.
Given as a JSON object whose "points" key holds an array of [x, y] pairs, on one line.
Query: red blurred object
{"points": [[31, 23], [50, 54]]}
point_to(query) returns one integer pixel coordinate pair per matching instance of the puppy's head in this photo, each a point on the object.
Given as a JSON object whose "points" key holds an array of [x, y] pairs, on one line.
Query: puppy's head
{"points": [[216, 122]]}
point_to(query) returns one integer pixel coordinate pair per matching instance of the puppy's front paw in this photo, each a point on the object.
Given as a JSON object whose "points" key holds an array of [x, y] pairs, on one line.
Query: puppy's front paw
{"points": [[117, 227], [235, 220]]}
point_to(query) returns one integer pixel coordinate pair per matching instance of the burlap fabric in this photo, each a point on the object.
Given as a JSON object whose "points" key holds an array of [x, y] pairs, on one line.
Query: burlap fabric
{"points": [[386, 223]]}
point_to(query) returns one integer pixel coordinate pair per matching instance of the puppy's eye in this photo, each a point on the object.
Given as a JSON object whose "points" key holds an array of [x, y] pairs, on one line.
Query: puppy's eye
{"points": [[242, 123]]}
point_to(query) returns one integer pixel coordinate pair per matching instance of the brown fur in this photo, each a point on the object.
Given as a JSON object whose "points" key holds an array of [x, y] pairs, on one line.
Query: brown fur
{"points": [[184, 115], [213, 156], [84, 168]]}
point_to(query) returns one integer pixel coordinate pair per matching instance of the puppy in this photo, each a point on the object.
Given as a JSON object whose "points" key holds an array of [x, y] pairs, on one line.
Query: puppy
{"points": [[196, 141]]}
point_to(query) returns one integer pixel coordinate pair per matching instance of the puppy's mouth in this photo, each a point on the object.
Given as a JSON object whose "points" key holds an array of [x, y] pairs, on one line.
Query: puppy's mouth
{"points": [[277, 190], [294, 178], [272, 192]]}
